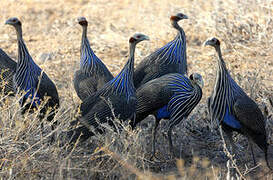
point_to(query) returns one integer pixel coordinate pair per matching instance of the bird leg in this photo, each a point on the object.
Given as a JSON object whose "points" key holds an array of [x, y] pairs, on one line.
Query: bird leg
{"points": [[53, 127], [170, 140], [171, 125], [229, 139], [231, 142], [42, 126], [252, 153], [266, 159], [154, 137]]}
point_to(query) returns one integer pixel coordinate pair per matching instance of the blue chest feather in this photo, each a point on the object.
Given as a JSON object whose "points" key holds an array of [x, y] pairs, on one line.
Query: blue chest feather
{"points": [[27, 79], [31, 91], [231, 121], [173, 52], [163, 113]]}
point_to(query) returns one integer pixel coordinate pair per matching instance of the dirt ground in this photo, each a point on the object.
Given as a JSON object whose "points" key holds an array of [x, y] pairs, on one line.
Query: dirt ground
{"points": [[53, 37]]}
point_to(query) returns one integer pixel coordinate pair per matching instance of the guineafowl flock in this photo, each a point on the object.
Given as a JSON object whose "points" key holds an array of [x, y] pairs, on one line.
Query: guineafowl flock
{"points": [[159, 86]]}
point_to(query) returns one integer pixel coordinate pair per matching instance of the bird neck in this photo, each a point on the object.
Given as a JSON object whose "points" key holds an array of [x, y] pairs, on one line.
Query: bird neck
{"points": [[23, 54], [132, 52], [130, 63], [176, 50], [221, 63], [123, 82], [182, 60], [88, 58], [129, 66], [84, 32], [179, 28], [198, 89], [19, 32]]}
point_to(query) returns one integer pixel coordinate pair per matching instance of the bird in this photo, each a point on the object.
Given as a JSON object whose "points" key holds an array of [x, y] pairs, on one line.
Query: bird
{"points": [[32, 81], [7, 70], [172, 96], [93, 73], [171, 58], [116, 96], [233, 110]]}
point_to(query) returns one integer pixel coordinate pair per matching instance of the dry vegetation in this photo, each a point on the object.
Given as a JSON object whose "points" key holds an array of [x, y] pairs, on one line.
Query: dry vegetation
{"points": [[53, 38]]}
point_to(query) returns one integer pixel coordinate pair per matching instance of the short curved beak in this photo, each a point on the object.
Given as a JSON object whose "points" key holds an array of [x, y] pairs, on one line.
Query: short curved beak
{"points": [[201, 83], [146, 38], [185, 17], [207, 43], [7, 22]]}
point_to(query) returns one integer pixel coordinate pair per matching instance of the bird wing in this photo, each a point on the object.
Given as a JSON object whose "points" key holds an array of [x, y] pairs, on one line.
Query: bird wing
{"points": [[84, 85], [98, 113], [7, 70], [248, 113], [48, 88], [6, 61], [88, 103], [143, 69], [152, 96], [104, 108]]}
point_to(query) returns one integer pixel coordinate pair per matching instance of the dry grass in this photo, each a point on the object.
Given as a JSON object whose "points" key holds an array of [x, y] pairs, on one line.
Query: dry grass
{"points": [[51, 32]]}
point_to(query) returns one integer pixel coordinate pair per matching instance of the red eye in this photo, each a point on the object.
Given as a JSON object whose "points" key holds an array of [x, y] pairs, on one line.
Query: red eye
{"points": [[138, 36]]}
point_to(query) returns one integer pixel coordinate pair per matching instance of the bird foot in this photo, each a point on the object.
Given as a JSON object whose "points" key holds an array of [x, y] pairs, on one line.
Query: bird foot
{"points": [[154, 158], [52, 138]]}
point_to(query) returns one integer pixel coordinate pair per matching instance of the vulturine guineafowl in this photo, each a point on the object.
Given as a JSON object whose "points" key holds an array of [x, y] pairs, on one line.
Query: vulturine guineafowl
{"points": [[32, 81], [172, 96], [231, 108], [119, 93], [7, 70], [170, 58], [93, 74]]}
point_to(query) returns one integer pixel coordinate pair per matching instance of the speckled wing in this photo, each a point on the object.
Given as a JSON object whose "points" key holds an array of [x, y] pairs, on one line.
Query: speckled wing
{"points": [[248, 113], [100, 109], [48, 88], [145, 69], [87, 84], [152, 96], [84, 85], [7, 70]]}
